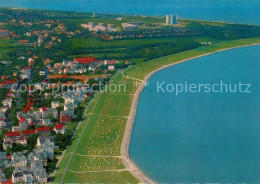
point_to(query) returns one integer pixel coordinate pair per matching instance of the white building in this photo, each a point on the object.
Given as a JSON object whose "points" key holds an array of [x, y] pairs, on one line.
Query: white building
{"points": [[128, 26], [171, 19], [111, 67], [7, 102], [167, 22], [55, 104], [46, 122]]}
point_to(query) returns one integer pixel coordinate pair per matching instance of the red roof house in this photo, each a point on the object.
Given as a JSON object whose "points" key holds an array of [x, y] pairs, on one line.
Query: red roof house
{"points": [[2, 119], [8, 82], [23, 41], [43, 130], [12, 134], [44, 109], [59, 128], [85, 60], [7, 182], [45, 81], [27, 108], [27, 68], [22, 120], [10, 93], [27, 133], [4, 77], [30, 88], [23, 141], [64, 76]]}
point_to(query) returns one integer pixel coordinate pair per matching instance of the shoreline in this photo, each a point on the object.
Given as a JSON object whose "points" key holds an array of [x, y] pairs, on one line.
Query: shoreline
{"points": [[129, 164], [138, 15]]}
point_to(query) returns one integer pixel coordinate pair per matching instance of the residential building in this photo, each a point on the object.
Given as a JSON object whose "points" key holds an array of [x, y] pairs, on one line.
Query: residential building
{"points": [[4, 33], [48, 112], [128, 26], [13, 136], [55, 104], [42, 72], [3, 123], [46, 122], [7, 102], [43, 130], [59, 128], [69, 107], [111, 67], [41, 140], [37, 115], [9, 84], [40, 39], [27, 133], [171, 19], [66, 116], [23, 123]]}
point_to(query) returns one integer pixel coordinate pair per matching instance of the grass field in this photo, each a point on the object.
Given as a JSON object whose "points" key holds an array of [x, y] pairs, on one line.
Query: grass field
{"points": [[95, 159], [97, 43], [134, 49], [99, 177], [6, 46]]}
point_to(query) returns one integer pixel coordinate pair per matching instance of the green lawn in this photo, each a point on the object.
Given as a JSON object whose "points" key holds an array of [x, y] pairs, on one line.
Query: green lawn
{"points": [[101, 44], [90, 163], [99, 177], [102, 136], [105, 129], [4, 43], [6, 46], [103, 55], [126, 86], [114, 104]]}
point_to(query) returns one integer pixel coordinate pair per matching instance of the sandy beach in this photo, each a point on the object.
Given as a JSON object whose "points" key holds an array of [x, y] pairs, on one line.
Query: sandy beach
{"points": [[129, 164]]}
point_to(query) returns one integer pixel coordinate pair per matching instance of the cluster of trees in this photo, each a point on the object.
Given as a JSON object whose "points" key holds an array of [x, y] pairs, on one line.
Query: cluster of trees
{"points": [[227, 31], [23, 100], [148, 50], [79, 112], [3, 93], [36, 77], [63, 80], [14, 113], [2, 135], [8, 172], [51, 165], [63, 140], [153, 51]]}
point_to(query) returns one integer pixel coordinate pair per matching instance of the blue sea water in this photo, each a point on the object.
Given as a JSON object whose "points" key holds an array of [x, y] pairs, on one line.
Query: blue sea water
{"points": [[201, 137], [237, 11]]}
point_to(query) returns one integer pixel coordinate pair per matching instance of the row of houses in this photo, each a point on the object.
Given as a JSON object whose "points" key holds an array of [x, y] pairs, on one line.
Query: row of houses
{"points": [[99, 27], [20, 137], [80, 65]]}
